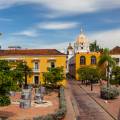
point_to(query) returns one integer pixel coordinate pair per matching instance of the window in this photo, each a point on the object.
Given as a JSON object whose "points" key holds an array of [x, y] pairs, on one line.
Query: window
{"points": [[93, 60], [81, 47], [82, 60], [52, 64], [36, 79], [36, 65]]}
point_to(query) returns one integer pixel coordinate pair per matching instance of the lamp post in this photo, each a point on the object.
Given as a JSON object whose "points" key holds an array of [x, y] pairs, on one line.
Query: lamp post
{"points": [[25, 73], [109, 71], [108, 76]]}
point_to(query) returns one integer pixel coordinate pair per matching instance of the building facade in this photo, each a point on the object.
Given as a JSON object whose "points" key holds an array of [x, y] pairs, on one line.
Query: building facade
{"points": [[37, 59], [115, 54], [81, 56], [82, 59]]}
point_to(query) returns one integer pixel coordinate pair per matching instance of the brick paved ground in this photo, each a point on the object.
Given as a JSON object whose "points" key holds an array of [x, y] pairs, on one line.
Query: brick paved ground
{"points": [[88, 108], [14, 112], [72, 109], [111, 106]]}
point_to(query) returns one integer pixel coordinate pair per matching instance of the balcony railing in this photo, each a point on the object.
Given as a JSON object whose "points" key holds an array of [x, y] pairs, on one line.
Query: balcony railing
{"points": [[36, 70]]}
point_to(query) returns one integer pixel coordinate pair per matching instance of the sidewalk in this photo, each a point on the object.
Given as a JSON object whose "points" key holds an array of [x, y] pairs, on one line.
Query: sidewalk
{"points": [[89, 109], [110, 106], [72, 109]]}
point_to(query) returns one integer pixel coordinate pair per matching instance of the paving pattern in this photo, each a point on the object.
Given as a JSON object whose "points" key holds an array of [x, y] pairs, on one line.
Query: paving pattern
{"points": [[88, 108]]}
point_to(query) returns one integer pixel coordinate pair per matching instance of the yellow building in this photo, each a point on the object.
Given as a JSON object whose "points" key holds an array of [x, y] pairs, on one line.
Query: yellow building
{"points": [[82, 59], [81, 56], [37, 59]]}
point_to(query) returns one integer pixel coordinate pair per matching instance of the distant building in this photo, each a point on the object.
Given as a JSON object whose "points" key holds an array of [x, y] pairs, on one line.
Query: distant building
{"points": [[37, 59], [80, 55], [81, 44], [115, 53], [14, 47]]}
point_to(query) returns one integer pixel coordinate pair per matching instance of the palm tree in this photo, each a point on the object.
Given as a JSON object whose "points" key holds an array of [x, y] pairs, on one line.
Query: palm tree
{"points": [[94, 47], [108, 61]]}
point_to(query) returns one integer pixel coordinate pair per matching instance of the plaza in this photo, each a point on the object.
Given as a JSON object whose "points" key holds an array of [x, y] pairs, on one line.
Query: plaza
{"points": [[59, 60]]}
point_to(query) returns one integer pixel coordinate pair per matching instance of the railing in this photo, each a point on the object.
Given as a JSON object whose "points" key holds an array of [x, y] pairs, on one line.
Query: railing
{"points": [[36, 70]]}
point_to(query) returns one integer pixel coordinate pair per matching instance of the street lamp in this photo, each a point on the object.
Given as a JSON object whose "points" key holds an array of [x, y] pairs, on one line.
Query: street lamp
{"points": [[25, 73], [109, 71]]}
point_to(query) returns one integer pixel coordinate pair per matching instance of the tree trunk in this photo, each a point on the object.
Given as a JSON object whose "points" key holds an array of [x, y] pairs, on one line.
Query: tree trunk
{"points": [[26, 85], [91, 85]]}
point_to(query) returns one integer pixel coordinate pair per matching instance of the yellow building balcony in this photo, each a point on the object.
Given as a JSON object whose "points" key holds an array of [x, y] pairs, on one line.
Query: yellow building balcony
{"points": [[36, 70]]}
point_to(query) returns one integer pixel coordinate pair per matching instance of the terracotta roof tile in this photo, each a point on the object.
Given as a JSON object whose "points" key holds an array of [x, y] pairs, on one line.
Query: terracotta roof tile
{"points": [[115, 51], [30, 52]]}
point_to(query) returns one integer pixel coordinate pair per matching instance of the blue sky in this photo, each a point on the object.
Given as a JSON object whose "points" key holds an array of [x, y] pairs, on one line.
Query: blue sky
{"points": [[53, 23]]}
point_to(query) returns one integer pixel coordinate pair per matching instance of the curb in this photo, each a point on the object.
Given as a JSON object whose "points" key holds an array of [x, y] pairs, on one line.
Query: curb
{"points": [[74, 104], [98, 103]]}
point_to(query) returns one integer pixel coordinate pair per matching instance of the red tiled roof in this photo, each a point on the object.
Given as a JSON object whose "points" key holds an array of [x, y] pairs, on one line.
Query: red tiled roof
{"points": [[30, 52], [115, 51]]}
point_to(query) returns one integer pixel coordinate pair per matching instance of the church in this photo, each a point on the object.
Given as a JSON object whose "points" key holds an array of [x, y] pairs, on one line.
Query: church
{"points": [[79, 55]]}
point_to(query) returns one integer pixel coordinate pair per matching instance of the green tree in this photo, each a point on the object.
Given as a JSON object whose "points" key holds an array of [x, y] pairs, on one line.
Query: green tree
{"points": [[108, 61], [21, 72], [6, 82], [5, 78], [94, 47], [89, 74], [82, 72], [116, 75], [18, 77], [54, 76], [93, 75]]}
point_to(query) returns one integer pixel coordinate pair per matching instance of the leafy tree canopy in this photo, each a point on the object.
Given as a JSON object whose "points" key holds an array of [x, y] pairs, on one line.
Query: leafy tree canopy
{"points": [[116, 74], [105, 58], [89, 73], [94, 47], [5, 78], [53, 76]]}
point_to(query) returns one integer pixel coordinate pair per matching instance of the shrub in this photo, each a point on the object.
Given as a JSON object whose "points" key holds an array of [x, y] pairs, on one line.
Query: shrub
{"points": [[60, 114], [109, 92], [48, 117], [4, 100], [114, 82], [62, 111]]}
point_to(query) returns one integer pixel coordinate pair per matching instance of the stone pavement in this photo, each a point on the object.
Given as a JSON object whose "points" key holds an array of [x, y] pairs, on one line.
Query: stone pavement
{"points": [[72, 108], [88, 108], [110, 106], [14, 112]]}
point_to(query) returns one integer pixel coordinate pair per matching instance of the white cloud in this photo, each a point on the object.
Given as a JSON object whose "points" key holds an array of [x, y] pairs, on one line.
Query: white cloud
{"points": [[107, 20], [27, 33], [67, 6], [57, 25], [33, 31], [108, 38], [5, 19]]}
